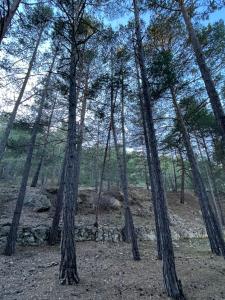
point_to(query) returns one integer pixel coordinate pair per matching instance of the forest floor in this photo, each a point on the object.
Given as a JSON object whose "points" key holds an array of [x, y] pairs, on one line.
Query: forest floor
{"points": [[107, 271]]}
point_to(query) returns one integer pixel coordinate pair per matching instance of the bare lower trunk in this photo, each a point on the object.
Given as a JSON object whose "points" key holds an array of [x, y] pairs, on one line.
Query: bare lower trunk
{"points": [[172, 284], [12, 117], [205, 72], [182, 177], [96, 161], [37, 172], [212, 197], [212, 176], [213, 228], [54, 230], [100, 187], [174, 176], [129, 232], [146, 175]]}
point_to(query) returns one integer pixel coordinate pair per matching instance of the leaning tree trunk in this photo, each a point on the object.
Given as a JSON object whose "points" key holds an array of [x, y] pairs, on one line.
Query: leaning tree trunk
{"points": [[213, 180], [205, 72], [209, 183], [68, 266], [172, 284], [9, 125], [5, 21], [213, 228], [54, 230], [37, 172], [12, 236], [149, 160]]}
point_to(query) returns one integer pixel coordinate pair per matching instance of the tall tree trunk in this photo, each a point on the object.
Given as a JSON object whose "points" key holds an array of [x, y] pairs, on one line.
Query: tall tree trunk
{"points": [[81, 131], [214, 138], [109, 172], [124, 181], [37, 172], [212, 176], [128, 230], [172, 284], [12, 117], [12, 236], [149, 160], [54, 230], [182, 177], [146, 173], [96, 164], [5, 21], [213, 228], [174, 176], [68, 266], [205, 72], [100, 187], [213, 197]]}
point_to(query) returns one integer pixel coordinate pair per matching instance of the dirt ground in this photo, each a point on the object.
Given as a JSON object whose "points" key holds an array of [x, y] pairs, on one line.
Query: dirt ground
{"points": [[107, 271]]}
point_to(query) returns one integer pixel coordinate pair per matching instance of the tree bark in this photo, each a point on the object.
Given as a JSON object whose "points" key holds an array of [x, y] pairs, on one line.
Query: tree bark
{"points": [[172, 284], [96, 164], [5, 21], [68, 266], [174, 176], [12, 236], [205, 72], [128, 231], [149, 160], [213, 228], [10, 122], [211, 186], [212, 176], [54, 230], [81, 130], [102, 177], [182, 177]]}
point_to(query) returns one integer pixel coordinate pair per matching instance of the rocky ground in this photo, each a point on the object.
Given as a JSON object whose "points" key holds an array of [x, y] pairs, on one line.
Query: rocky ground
{"points": [[107, 271], [38, 209]]}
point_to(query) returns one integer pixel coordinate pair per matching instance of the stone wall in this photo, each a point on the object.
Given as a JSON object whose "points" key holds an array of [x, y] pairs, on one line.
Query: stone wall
{"points": [[38, 235]]}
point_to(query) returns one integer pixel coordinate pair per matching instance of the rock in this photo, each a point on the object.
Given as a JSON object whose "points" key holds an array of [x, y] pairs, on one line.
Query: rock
{"points": [[37, 201], [79, 200], [52, 190], [114, 203], [4, 229], [109, 202]]}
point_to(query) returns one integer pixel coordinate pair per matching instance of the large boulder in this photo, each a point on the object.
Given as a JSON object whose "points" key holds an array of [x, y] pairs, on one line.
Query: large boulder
{"points": [[108, 202], [36, 200]]}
